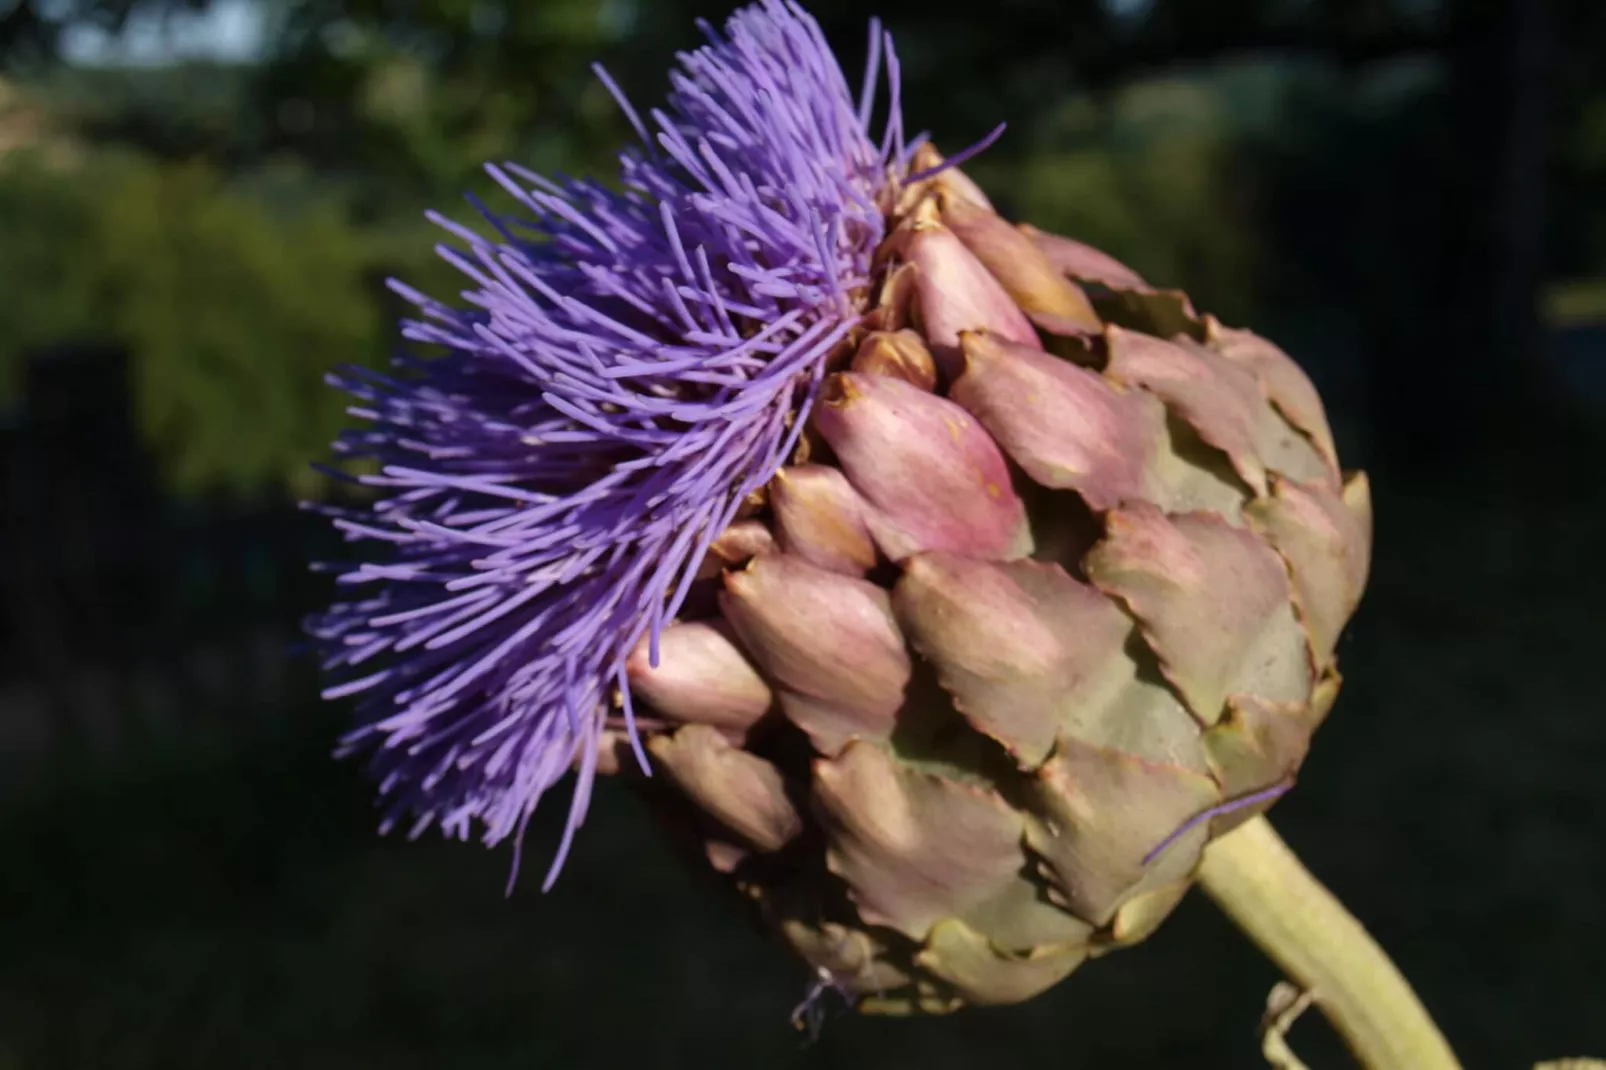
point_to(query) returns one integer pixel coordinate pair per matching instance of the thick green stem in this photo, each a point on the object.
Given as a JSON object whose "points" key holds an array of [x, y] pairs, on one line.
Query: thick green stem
{"points": [[1261, 884]]}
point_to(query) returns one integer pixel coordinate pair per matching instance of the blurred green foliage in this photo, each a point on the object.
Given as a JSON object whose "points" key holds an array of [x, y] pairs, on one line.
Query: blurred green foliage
{"points": [[1154, 173], [233, 307], [235, 311]]}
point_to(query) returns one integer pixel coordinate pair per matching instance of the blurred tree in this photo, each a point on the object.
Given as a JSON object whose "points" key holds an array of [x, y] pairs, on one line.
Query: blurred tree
{"points": [[234, 303], [235, 312]]}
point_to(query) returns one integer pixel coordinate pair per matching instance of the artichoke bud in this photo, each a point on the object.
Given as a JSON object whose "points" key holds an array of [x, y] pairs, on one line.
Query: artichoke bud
{"points": [[820, 518], [1284, 382], [954, 292], [982, 602], [1032, 280], [883, 430], [894, 308], [742, 791], [1018, 762], [735, 546], [701, 677], [827, 641], [1067, 427], [899, 354], [949, 180]]}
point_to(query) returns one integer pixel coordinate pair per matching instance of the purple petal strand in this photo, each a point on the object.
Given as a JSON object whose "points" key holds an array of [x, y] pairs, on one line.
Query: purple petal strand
{"points": [[629, 366]]}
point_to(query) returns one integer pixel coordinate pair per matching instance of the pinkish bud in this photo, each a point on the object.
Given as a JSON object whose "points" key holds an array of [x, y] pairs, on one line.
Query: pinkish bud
{"points": [[1063, 424], [1214, 601], [1079, 260], [735, 546], [820, 518], [900, 354], [895, 300], [1284, 381], [959, 185], [949, 180], [828, 641], [1025, 651], [955, 292], [1221, 401], [914, 848], [1028, 275], [741, 790], [701, 677], [933, 478]]}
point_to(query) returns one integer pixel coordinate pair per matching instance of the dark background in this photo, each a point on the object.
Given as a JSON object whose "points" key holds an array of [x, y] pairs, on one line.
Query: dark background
{"points": [[1409, 194]]}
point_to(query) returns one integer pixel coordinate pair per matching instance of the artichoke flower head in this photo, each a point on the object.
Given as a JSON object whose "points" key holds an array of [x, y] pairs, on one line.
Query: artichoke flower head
{"points": [[955, 586]]}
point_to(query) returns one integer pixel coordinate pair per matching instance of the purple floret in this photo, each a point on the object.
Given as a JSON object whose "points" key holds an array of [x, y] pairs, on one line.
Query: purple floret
{"points": [[632, 365]]}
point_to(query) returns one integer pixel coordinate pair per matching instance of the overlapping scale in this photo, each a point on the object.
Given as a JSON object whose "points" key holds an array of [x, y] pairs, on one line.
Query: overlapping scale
{"points": [[953, 771]]}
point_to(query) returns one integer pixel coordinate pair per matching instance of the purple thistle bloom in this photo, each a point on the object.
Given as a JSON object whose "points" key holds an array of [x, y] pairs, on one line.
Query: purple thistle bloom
{"points": [[633, 365]]}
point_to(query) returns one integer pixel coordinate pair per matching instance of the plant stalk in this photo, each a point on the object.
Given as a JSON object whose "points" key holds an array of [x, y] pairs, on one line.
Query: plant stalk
{"points": [[1260, 883]]}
